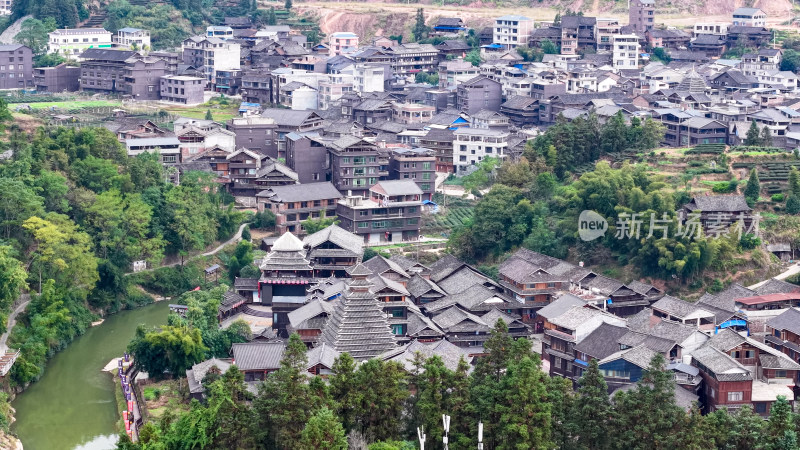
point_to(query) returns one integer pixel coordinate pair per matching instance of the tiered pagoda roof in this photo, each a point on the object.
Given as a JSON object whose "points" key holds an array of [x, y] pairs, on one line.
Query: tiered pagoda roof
{"points": [[288, 254], [358, 325]]}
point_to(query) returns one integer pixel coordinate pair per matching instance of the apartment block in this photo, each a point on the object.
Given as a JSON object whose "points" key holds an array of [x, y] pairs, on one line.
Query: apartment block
{"points": [[512, 31], [16, 67], [71, 42]]}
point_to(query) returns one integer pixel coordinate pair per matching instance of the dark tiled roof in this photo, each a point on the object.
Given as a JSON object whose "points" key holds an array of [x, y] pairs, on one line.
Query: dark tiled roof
{"points": [[107, 54], [602, 342], [258, 355], [775, 286], [338, 236], [788, 320], [726, 339], [301, 192]]}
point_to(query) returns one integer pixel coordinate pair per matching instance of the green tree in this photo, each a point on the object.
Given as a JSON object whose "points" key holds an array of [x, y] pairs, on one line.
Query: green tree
{"points": [[659, 54], [753, 137], [61, 252], [172, 349], [33, 34], [272, 18], [284, 398], [193, 219], [344, 390], [420, 30], [790, 61], [209, 116], [233, 416], [432, 393], [287, 5], [382, 386], [12, 281], [311, 226], [18, 202], [794, 182], [241, 258], [655, 393], [614, 134], [246, 234], [549, 48], [766, 137], [591, 419], [474, 57], [323, 431], [793, 204], [753, 189], [779, 430], [524, 409], [52, 188]]}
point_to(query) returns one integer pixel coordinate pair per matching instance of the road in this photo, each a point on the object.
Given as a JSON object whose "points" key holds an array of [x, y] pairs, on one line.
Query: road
{"points": [[12, 320], [794, 269], [236, 238]]}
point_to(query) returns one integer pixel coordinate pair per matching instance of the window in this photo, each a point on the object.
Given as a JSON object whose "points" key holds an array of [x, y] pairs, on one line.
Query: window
{"points": [[363, 213], [291, 217], [426, 176], [426, 166], [363, 224], [780, 374], [398, 312], [735, 396], [760, 407], [749, 354], [735, 354], [397, 329], [411, 209], [413, 221]]}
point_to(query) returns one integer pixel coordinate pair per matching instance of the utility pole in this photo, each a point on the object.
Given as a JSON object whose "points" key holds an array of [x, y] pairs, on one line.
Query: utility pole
{"points": [[480, 435], [446, 423], [421, 435]]}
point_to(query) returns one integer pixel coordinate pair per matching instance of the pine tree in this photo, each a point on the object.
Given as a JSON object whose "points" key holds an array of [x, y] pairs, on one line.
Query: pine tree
{"points": [[654, 394], [592, 413], [462, 431], [246, 235], [420, 30], [287, 5], [344, 391], [766, 137], [793, 204], [208, 115], [382, 386], [753, 189], [614, 134], [323, 431], [748, 428], [486, 391], [794, 182], [779, 430], [753, 137], [562, 402], [284, 398], [272, 18], [525, 412], [432, 395]]}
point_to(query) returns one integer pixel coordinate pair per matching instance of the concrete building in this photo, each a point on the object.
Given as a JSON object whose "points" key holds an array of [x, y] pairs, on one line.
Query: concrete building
{"points": [[254, 133], [132, 39], [343, 43], [167, 147], [356, 164], [408, 113], [368, 77], [410, 59], [219, 31], [606, 30], [626, 51], [749, 17], [143, 77], [5, 7], [292, 204], [471, 146], [61, 78], [389, 212], [307, 155], [641, 15], [712, 28], [417, 165], [212, 54], [103, 70], [512, 31], [71, 42], [16, 67], [182, 89], [479, 93]]}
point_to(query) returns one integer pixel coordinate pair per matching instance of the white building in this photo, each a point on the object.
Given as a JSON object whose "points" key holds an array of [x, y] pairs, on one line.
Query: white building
{"points": [[712, 28], [212, 54], [749, 17], [5, 7], [128, 38], [606, 30], [343, 43], [71, 42], [472, 145], [626, 51], [334, 88], [218, 31], [367, 78], [512, 31]]}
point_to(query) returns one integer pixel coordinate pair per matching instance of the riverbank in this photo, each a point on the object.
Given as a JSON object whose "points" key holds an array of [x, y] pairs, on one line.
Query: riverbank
{"points": [[74, 403]]}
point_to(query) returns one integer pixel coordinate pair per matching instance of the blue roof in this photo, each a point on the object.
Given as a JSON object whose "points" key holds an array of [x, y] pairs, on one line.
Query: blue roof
{"points": [[492, 46]]}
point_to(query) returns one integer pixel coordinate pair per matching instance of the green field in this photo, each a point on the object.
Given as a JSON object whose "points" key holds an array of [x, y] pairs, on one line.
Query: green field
{"points": [[72, 104]]}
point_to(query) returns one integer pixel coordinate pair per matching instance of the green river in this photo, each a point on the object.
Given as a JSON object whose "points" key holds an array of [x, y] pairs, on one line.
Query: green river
{"points": [[73, 405]]}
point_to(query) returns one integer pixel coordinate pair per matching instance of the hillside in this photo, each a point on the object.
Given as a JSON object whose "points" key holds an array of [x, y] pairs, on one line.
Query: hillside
{"points": [[384, 18]]}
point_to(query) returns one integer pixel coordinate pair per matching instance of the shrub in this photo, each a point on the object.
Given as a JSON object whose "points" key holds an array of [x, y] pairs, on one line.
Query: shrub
{"points": [[749, 241], [777, 198]]}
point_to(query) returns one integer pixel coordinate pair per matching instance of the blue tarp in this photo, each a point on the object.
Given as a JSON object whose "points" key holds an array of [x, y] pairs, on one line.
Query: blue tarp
{"points": [[493, 46]]}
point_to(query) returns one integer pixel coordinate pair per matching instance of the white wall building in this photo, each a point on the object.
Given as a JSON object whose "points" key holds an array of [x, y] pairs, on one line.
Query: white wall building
{"points": [[212, 54], [512, 31], [71, 42], [749, 17], [626, 51], [367, 78], [472, 145], [5, 7], [128, 37]]}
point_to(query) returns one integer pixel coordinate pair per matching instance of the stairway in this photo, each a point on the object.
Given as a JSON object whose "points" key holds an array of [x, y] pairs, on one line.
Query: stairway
{"points": [[95, 20]]}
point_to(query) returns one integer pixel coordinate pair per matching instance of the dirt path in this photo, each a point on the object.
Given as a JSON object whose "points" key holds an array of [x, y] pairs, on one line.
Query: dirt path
{"points": [[236, 238], [7, 37], [12, 320], [794, 269]]}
